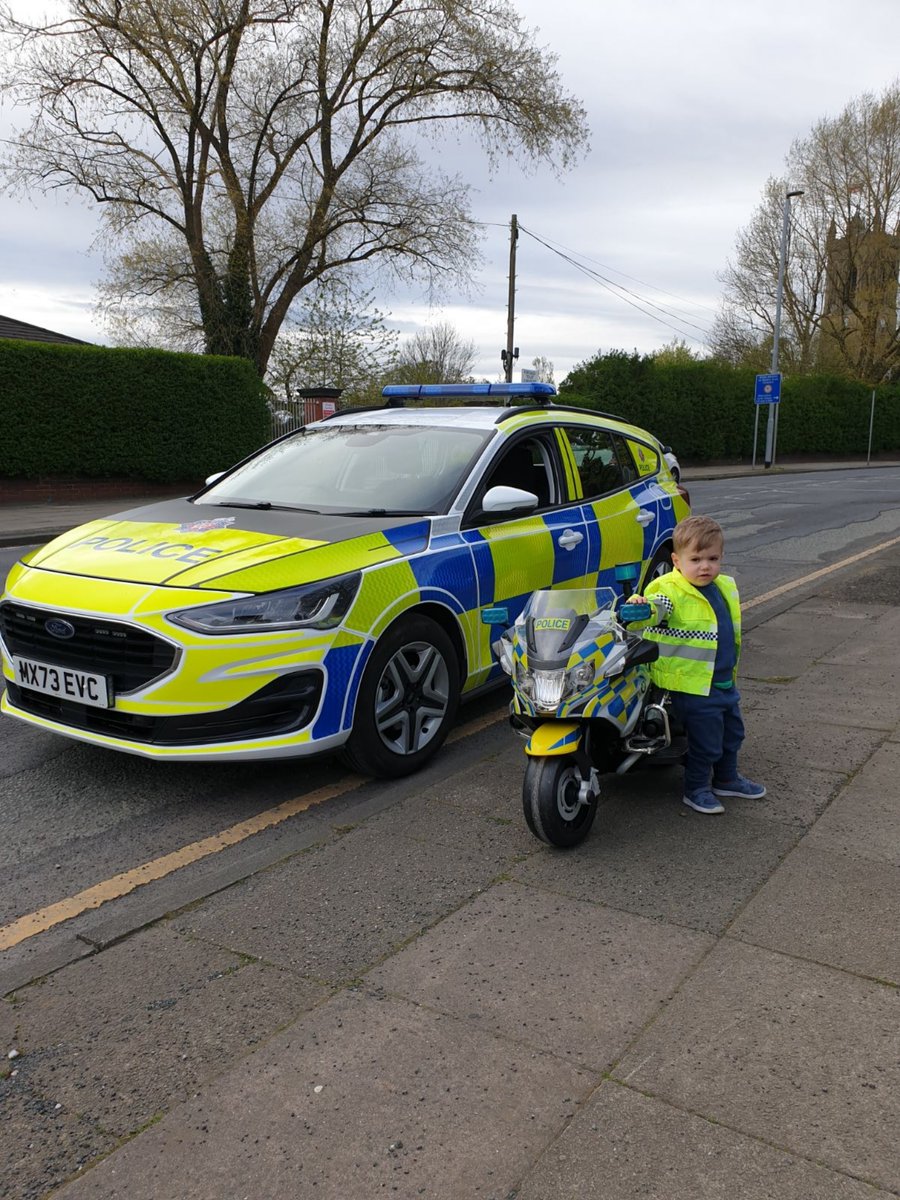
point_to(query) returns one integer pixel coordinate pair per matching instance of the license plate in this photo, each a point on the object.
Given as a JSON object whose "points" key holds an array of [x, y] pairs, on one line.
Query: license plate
{"points": [[82, 686]]}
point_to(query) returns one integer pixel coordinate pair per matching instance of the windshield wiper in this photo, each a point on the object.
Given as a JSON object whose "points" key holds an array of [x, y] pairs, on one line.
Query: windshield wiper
{"points": [[387, 512], [265, 505]]}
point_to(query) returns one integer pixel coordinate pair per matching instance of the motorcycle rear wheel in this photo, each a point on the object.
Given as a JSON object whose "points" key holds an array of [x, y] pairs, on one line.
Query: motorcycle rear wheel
{"points": [[553, 812]]}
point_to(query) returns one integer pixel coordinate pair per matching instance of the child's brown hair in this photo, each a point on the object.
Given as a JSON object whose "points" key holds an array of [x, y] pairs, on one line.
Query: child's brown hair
{"points": [[700, 532]]}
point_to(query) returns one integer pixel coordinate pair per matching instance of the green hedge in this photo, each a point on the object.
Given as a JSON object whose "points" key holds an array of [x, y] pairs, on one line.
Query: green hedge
{"points": [[705, 409], [95, 412]]}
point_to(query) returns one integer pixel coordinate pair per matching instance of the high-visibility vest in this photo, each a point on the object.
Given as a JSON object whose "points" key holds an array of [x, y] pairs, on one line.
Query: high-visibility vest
{"points": [[687, 632]]}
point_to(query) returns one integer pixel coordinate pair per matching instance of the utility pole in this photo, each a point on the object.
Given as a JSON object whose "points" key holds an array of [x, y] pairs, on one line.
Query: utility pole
{"points": [[772, 422], [510, 353]]}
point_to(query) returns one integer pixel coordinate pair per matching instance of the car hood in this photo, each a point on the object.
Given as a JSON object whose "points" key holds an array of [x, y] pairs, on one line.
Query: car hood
{"points": [[185, 544]]}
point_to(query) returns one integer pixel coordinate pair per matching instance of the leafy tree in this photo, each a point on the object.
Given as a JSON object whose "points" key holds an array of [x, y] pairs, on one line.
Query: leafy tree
{"points": [[437, 354], [240, 150], [840, 287], [676, 353]]}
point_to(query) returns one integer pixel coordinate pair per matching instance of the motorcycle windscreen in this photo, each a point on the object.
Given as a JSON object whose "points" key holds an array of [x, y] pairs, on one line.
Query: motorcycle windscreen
{"points": [[556, 620]]}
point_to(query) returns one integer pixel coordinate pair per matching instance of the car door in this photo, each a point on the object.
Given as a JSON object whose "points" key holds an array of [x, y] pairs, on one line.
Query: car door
{"points": [[515, 556], [616, 521]]}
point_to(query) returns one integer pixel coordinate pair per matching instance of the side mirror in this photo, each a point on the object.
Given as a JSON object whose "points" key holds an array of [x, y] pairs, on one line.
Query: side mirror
{"points": [[211, 479], [503, 499]]}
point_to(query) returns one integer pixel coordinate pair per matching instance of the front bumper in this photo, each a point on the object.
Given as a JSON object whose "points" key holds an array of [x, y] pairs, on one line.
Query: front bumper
{"points": [[177, 694]]}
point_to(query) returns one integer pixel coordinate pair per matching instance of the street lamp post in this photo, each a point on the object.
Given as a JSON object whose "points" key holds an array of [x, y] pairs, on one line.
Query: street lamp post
{"points": [[772, 422]]}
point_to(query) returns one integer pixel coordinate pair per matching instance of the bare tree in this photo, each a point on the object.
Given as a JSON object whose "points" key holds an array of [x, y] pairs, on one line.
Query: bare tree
{"points": [[543, 369], [242, 149], [841, 280], [340, 339], [437, 354]]}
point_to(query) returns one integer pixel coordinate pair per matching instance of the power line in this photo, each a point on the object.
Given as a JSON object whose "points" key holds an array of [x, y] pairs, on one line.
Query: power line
{"points": [[587, 258], [617, 290]]}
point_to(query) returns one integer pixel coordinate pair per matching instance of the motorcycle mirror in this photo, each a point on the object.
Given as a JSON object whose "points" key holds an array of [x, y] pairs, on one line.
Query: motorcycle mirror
{"points": [[495, 616], [635, 612], [627, 572]]}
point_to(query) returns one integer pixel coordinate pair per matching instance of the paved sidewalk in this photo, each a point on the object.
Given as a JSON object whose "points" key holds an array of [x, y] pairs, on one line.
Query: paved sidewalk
{"points": [[424, 1002], [22, 524]]}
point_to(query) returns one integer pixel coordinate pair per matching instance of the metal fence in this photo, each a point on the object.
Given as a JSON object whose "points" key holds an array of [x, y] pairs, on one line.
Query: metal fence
{"points": [[286, 415]]}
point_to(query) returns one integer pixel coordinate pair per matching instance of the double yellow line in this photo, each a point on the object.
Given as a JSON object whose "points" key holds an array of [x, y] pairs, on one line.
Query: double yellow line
{"points": [[127, 881]]}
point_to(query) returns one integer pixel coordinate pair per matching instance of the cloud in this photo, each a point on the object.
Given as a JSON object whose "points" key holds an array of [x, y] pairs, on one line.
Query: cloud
{"points": [[692, 107]]}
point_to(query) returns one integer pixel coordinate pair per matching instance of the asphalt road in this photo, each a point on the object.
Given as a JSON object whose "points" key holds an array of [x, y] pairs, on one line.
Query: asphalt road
{"points": [[72, 815]]}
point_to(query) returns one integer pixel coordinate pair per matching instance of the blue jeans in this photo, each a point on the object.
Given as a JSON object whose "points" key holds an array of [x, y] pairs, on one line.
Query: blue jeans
{"points": [[715, 733]]}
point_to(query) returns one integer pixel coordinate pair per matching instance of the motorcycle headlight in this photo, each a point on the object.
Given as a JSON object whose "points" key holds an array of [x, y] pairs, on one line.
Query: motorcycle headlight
{"points": [[579, 678], [548, 689], [320, 605]]}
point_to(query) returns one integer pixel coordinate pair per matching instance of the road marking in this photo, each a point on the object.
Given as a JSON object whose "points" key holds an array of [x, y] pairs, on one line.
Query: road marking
{"points": [[120, 885], [795, 583], [127, 881]]}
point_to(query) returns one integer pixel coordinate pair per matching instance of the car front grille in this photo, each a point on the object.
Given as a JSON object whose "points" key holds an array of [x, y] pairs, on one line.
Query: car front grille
{"points": [[280, 707], [130, 657]]}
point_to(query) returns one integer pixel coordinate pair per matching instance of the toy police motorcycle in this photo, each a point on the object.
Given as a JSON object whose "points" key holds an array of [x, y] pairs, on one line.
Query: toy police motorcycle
{"points": [[582, 697]]}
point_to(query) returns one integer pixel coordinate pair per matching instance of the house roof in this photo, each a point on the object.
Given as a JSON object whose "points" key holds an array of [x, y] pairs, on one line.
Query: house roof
{"points": [[11, 328]]}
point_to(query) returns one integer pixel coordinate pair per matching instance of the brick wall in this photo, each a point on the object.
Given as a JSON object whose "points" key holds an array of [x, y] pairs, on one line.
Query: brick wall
{"points": [[63, 491]]}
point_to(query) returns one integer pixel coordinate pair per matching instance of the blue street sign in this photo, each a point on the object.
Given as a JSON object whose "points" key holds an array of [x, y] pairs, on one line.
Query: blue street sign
{"points": [[768, 389]]}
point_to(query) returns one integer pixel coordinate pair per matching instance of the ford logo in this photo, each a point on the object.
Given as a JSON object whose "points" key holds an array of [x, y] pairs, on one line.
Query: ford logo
{"points": [[59, 628]]}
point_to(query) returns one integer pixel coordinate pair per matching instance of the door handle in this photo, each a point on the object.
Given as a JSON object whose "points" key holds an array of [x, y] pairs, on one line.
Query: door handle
{"points": [[569, 539], [645, 516]]}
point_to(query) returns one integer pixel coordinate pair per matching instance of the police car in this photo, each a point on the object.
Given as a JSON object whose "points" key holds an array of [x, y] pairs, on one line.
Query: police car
{"points": [[338, 589]]}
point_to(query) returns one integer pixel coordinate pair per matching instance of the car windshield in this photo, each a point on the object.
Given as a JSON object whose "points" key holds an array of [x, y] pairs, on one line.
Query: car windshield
{"points": [[356, 469]]}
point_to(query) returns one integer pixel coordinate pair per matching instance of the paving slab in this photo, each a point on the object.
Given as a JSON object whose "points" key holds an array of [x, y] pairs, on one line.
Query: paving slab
{"points": [[795, 794], [42, 1144], [783, 734], [861, 695], [867, 651], [799, 1055], [126, 1034], [831, 908], [865, 818], [658, 859], [576, 979], [333, 911], [365, 1097], [493, 824], [623, 1145], [790, 643]]}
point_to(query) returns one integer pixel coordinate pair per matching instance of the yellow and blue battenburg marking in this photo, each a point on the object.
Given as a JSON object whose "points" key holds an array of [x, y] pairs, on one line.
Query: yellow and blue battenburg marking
{"points": [[126, 575]]}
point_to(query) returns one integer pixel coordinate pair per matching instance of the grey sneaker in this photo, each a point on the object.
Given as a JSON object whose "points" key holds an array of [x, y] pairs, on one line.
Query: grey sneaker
{"points": [[703, 801]]}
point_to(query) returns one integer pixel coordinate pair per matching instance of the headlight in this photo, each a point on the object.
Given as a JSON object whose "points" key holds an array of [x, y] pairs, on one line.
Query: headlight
{"points": [[580, 677], [312, 606], [548, 689]]}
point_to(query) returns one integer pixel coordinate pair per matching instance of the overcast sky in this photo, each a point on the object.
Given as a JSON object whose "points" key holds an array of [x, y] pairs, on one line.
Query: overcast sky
{"points": [[692, 105]]}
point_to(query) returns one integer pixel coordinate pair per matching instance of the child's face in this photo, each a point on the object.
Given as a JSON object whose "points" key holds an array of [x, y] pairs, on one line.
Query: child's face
{"points": [[699, 567]]}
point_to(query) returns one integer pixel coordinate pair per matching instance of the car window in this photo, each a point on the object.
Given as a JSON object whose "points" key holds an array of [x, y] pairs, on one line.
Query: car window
{"points": [[343, 468], [601, 460], [644, 459], [526, 464]]}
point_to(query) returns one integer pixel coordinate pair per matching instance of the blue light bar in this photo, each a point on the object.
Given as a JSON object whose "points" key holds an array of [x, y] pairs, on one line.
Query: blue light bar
{"points": [[420, 391]]}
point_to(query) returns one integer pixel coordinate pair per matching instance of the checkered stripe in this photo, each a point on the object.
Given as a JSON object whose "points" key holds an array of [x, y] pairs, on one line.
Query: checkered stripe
{"points": [[662, 601], [699, 635]]}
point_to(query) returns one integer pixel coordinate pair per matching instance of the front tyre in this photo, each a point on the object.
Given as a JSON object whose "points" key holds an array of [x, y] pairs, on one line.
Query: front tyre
{"points": [[407, 700], [550, 797]]}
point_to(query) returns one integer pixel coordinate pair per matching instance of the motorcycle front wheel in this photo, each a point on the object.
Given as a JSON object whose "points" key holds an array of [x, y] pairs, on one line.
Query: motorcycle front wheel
{"points": [[553, 811]]}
